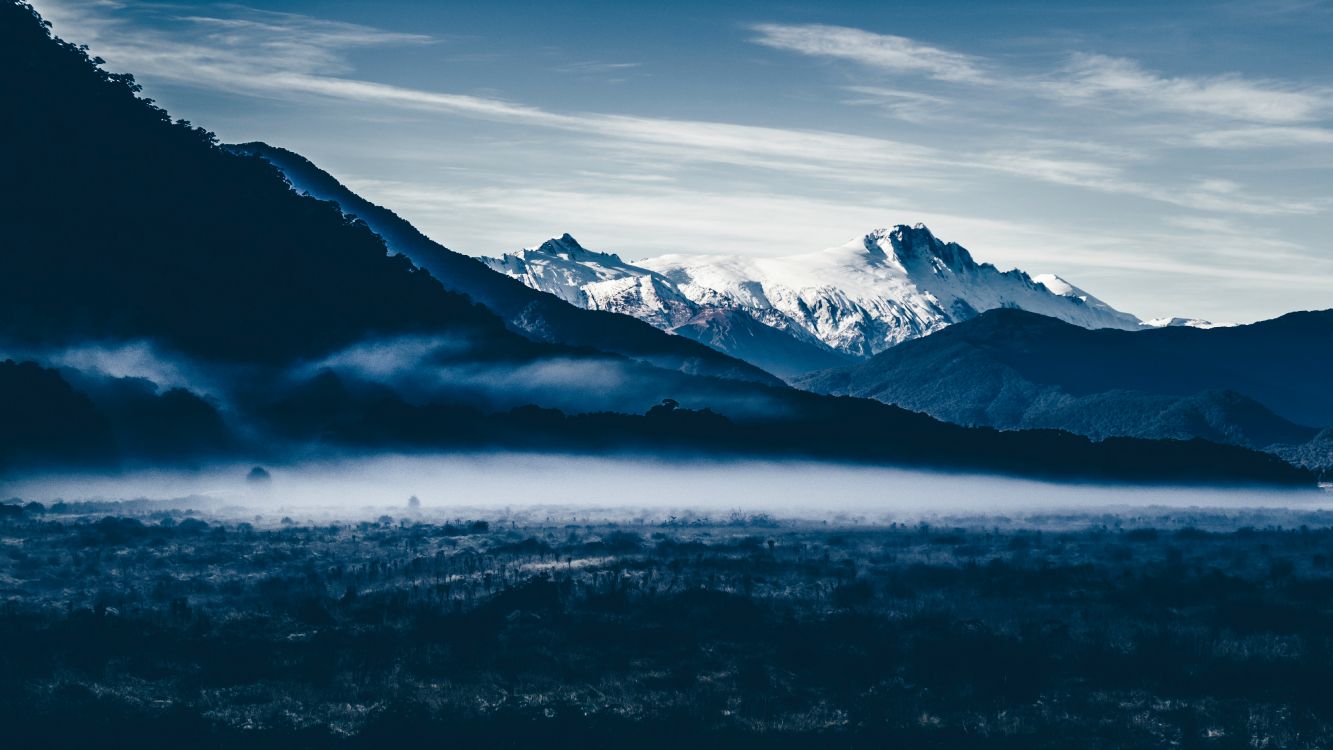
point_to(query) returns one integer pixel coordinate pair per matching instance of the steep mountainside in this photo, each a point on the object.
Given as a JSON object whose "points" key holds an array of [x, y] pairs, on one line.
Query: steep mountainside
{"points": [[780, 352], [526, 310], [120, 224], [1256, 385]]}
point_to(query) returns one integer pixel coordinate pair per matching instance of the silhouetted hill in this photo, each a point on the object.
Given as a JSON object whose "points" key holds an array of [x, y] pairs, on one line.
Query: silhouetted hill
{"points": [[44, 421], [535, 314], [119, 223], [365, 415], [1316, 454], [1253, 385], [151, 424]]}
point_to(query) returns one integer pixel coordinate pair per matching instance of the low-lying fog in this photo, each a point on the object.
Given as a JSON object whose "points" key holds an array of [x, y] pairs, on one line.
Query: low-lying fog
{"points": [[496, 481]]}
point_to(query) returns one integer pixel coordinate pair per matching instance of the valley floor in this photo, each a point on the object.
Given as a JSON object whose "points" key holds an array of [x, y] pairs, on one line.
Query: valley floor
{"points": [[139, 624]]}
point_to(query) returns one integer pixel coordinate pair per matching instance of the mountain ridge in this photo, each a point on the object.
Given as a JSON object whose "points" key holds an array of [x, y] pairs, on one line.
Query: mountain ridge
{"points": [[1258, 384], [856, 299], [536, 315]]}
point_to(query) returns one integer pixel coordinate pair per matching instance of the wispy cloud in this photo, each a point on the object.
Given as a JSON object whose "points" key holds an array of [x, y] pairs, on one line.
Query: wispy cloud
{"points": [[250, 39], [1092, 78], [1264, 137], [234, 64], [900, 104], [295, 38], [1088, 79], [1295, 9], [1206, 194], [887, 52], [592, 67]]}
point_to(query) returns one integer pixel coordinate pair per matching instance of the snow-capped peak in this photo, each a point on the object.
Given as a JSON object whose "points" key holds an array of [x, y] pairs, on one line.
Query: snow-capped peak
{"points": [[873, 292], [596, 281], [905, 242], [1183, 323], [565, 246]]}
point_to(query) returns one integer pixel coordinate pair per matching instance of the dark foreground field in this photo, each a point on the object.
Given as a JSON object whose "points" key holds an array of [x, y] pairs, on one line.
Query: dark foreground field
{"points": [[133, 625]]}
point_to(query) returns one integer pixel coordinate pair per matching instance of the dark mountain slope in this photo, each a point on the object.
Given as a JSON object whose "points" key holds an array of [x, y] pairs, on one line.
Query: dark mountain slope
{"points": [[44, 421], [118, 223], [48, 417], [1316, 455], [778, 352], [800, 425], [1252, 385], [535, 314], [149, 424]]}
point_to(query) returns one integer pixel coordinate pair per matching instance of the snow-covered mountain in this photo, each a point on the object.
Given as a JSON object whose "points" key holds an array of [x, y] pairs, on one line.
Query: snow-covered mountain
{"points": [[597, 281], [1063, 288], [876, 291], [1182, 323], [857, 299]]}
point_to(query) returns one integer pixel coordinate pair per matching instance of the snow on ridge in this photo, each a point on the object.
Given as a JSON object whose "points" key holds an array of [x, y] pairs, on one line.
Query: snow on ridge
{"points": [[866, 295], [1059, 286], [1183, 323]]}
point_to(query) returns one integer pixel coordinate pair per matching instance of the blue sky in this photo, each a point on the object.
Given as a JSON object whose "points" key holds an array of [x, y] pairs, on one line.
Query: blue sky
{"points": [[1172, 158]]}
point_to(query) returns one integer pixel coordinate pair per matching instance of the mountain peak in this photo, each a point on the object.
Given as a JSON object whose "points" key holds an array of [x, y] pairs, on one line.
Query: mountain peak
{"points": [[901, 232], [566, 246], [908, 243]]}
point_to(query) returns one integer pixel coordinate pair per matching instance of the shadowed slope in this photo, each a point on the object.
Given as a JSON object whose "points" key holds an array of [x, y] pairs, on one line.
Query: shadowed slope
{"points": [[535, 314], [121, 224], [1252, 385]]}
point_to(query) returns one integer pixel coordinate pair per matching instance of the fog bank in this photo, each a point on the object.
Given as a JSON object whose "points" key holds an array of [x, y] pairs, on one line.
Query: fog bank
{"points": [[499, 480]]}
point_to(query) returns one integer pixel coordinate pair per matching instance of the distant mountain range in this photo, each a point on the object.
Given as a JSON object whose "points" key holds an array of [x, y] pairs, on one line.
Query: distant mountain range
{"points": [[847, 302], [1265, 385], [165, 299]]}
